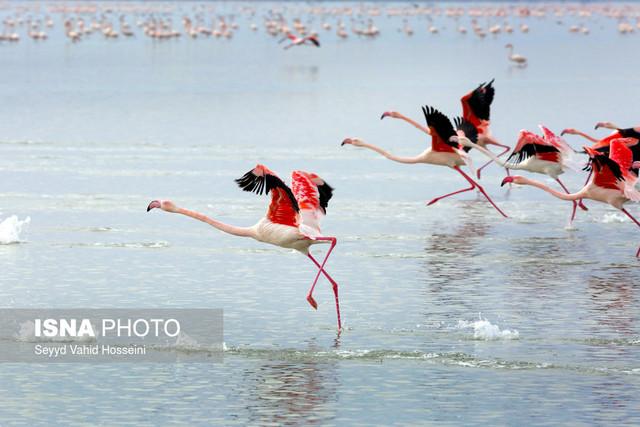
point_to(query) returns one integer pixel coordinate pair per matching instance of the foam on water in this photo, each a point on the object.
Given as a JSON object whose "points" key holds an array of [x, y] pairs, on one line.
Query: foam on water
{"points": [[613, 217], [12, 230], [485, 330]]}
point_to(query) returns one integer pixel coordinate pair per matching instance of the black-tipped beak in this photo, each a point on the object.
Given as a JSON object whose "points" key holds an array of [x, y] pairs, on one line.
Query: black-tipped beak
{"points": [[385, 114], [154, 204], [507, 180], [597, 126], [346, 141]]}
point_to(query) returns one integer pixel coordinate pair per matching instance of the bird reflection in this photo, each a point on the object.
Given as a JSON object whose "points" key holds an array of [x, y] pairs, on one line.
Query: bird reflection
{"points": [[298, 391], [613, 302]]}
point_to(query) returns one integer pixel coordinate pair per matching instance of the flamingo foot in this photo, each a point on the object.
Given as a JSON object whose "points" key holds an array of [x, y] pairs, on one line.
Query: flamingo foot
{"points": [[313, 302]]}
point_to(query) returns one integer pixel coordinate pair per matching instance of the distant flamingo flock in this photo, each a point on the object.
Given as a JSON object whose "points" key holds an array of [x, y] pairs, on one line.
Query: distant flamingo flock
{"points": [[79, 21]]}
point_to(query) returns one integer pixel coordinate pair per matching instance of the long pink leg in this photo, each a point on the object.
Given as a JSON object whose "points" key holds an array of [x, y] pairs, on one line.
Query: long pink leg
{"points": [[310, 299], [575, 204], [450, 194], [506, 149], [637, 223], [479, 187], [333, 284]]}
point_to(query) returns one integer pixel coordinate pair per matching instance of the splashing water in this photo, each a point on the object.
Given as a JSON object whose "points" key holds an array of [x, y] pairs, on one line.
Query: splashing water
{"points": [[485, 330], [11, 230], [613, 217]]}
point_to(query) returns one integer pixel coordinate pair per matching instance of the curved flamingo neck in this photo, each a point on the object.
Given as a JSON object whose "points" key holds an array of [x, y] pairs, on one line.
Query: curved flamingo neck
{"points": [[408, 160], [229, 229], [558, 194]]}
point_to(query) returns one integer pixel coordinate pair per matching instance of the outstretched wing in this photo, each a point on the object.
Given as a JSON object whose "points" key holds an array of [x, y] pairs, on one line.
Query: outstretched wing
{"points": [[606, 171], [469, 130], [529, 145], [621, 154], [441, 130], [476, 105], [284, 207], [313, 195]]}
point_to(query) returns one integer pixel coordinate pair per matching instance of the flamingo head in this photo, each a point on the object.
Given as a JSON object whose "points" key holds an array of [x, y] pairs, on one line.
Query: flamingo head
{"points": [[508, 45], [393, 114], [514, 179], [352, 141], [165, 205], [607, 125], [568, 131], [461, 139]]}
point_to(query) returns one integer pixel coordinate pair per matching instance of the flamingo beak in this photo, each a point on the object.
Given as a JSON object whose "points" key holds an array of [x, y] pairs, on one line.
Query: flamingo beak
{"points": [[154, 204], [385, 114], [597, 126], [346, 141], [507, 180], [563, 132]]}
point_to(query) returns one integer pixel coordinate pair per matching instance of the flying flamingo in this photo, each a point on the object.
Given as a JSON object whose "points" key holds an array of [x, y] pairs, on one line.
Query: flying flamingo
{"points": [[548, 156], [612, 181], [292, 220], [476, 109], [602, 145], [297, 41], [443, 152]]}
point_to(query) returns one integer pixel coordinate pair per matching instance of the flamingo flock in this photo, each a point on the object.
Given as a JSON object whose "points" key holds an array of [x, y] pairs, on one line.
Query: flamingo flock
{"points": [[294, 214], [206, 20]]}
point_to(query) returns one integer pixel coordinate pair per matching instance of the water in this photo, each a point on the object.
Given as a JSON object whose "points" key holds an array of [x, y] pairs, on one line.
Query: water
{"points": [[453, 315]]}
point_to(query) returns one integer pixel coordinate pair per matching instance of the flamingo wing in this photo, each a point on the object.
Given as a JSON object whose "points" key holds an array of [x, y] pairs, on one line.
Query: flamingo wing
{"points": [[441, 130], [468, 129], [283, 208], [629, 133], [313, 195], [606, 171], [476, 105], [529, 145]]}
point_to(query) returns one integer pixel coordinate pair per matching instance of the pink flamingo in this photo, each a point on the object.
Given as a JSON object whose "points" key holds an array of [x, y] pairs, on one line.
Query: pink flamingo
{"points": [[292, 220], [476, 109], [536, 154], [297, 41], [612, 181], [443, 152]]}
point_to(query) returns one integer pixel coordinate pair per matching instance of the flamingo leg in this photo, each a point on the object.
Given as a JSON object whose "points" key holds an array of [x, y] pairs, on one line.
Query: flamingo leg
{"points": [[450, 194], [333, 284], [310, 299], [637, 223], [479, 187], [502, 153], [575, 204]]}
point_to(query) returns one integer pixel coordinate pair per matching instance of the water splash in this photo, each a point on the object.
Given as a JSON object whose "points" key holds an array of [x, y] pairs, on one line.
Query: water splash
{"points": [[12, 230], [613, 217], [485, 330]]}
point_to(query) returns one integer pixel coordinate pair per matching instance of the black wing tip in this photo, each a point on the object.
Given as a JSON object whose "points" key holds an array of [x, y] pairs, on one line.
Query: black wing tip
{"points": [[252, 183], [325, 192]]}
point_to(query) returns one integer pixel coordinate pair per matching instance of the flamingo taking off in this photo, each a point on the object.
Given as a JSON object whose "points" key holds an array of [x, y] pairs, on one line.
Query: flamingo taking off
{"points": [[516, 58], [297, 41], [292, 220], [476, 109], [548, 155], [612, 181], [443, 152]]}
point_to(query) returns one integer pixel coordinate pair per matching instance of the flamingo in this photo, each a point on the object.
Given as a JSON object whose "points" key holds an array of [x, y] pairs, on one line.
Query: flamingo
{"points": [[292, 220], [297, 41], [548, 156], [612, 180], [603, 145], [443, 152], [518, 59], [476, 109]]}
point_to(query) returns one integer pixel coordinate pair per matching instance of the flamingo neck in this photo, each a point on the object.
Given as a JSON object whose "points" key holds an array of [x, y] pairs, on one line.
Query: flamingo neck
{"points": [[492, 156], [558, 194], [408, 160], [229, 229]]}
